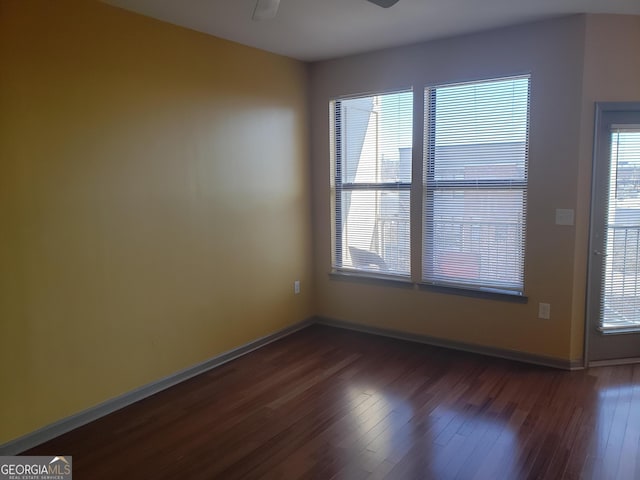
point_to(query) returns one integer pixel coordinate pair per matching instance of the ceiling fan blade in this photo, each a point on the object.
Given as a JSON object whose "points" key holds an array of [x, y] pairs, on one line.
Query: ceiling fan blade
{"points": [[384, 3], [266, 9]]}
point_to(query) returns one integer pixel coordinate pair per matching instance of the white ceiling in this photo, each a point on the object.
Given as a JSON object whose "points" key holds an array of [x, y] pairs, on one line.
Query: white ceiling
{"points": [[321, 29]]}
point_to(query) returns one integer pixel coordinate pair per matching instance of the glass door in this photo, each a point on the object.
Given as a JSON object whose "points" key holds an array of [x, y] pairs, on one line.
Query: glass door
{"points": [[614, 278]]}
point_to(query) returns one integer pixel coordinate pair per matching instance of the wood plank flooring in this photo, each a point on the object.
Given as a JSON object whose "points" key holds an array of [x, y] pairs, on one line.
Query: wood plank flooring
{"points": [[326, 403]]}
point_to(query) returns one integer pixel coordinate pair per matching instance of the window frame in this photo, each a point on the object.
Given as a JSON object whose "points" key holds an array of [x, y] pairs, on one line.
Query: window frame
{"points": [[431, 186], [422, 142], [338, 186]]}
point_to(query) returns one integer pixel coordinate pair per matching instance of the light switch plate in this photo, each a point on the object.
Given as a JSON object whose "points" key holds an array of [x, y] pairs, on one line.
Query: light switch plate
{"points": [[564, 216], [544, 311]]}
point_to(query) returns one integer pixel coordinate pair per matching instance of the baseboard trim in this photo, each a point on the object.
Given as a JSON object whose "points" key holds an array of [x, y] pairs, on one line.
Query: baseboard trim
{"points": [[77, 420], [614, 362], [465, 347], [48, 432]]}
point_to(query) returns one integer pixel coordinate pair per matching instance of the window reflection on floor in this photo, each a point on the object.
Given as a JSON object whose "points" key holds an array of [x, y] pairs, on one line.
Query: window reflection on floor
{"points": [[386, 430]]}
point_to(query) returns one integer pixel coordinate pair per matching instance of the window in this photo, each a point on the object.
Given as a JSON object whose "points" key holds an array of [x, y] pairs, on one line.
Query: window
{"points": [[620, 289], [471, 196], [475, 189], [372, 145]]}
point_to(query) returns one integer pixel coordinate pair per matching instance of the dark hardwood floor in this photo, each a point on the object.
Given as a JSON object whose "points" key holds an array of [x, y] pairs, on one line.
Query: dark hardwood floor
{"points": [[332, 404]]}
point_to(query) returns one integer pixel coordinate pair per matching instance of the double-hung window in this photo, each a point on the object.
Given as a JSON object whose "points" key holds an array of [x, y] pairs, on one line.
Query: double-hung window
{"points": [[372, 145], [473, 184], [475, 189]]}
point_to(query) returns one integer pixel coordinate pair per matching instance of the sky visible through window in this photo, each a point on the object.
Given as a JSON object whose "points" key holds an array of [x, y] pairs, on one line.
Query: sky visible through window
{"points": [[487, 112], [492, 111], [396, 124], [480, 134]]}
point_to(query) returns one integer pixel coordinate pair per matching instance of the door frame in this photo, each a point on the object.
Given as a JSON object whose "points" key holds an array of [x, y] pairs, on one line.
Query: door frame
{"points": [[599, 143]]}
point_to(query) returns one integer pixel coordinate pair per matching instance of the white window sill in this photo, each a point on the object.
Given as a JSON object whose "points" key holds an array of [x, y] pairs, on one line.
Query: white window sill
{"points": [[405, 282]]}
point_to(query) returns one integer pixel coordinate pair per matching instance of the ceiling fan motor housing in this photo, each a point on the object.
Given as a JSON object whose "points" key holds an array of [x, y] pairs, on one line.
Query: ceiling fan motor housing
{"points": [[384, 3]]}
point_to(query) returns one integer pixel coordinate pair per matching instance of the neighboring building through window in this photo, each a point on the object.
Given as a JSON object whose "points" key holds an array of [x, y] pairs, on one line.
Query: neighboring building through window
{"points": [[372, 144], [474, 184], [475, 190]]}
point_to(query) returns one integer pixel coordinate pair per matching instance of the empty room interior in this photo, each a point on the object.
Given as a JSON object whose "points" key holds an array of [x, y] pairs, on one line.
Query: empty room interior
{"points": [[333, 239]]}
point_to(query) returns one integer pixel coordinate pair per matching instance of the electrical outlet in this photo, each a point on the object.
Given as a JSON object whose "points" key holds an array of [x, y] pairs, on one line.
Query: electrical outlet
{"points": [[296, 287], [544, 311]]}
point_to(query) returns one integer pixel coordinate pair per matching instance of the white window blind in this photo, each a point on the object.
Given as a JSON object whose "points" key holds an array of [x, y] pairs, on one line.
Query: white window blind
{"points": [[620, 295], [372, 145], [475, 190]]}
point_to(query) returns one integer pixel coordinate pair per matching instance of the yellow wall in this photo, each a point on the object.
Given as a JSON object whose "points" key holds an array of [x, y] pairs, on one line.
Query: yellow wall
{"points": [[552, 51], [153, 203], [611, 74]]}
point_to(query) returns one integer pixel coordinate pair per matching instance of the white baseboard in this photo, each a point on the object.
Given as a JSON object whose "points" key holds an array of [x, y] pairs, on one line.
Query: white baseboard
{"points": [[465, 347]]}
